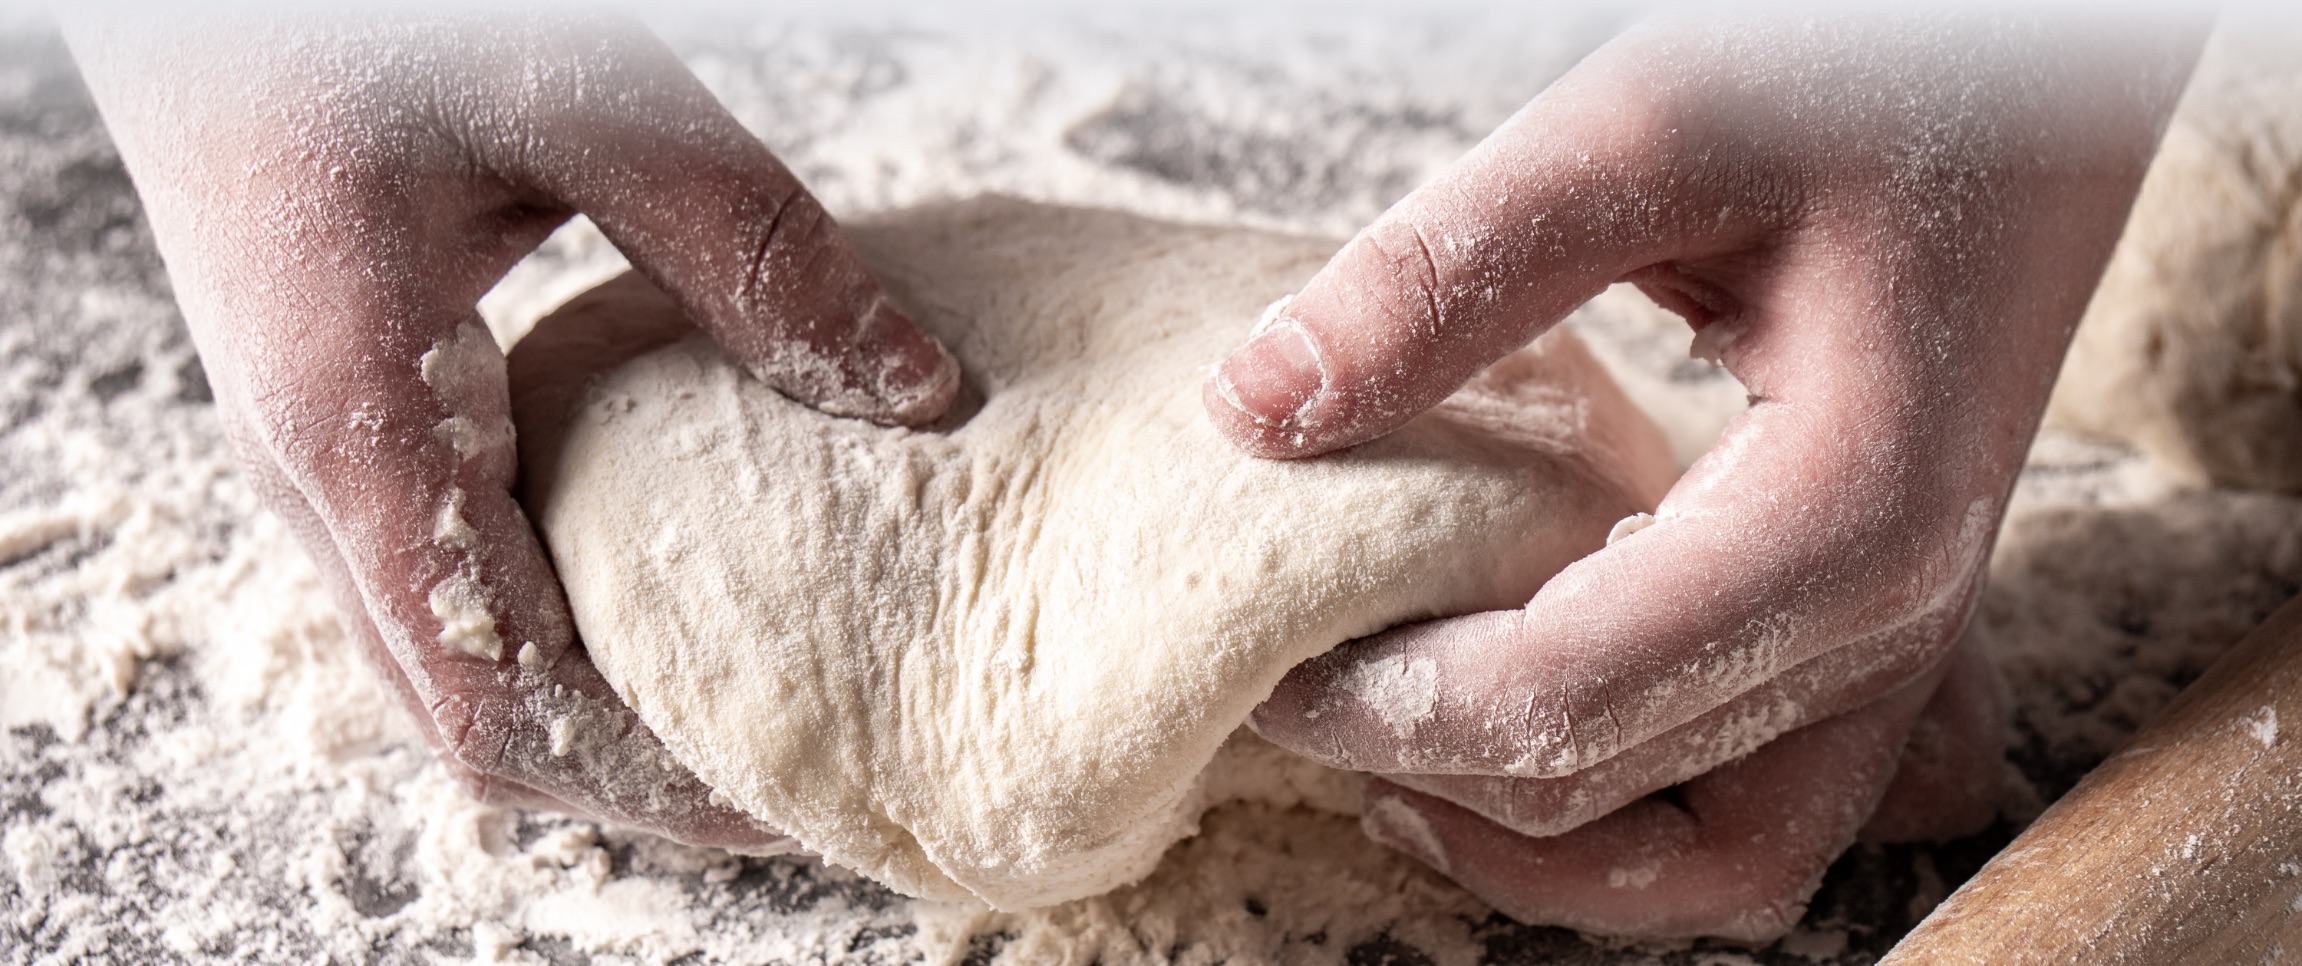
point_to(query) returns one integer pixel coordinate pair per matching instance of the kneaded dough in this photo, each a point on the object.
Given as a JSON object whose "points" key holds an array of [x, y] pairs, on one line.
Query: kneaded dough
{"points": [[990, 659], [2192, 347]]}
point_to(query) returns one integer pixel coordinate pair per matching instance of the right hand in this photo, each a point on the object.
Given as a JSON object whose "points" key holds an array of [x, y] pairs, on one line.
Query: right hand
{"points": [[1886, 228], [333, 197]]}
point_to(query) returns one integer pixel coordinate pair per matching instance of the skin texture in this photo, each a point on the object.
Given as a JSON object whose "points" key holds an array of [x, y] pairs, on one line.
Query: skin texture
{"points": [[333, 197], [1887, 229]]}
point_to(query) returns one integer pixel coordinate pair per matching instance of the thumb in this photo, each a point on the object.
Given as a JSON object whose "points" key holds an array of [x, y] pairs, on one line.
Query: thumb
{"points": [[705, 211], [1578, 190]]}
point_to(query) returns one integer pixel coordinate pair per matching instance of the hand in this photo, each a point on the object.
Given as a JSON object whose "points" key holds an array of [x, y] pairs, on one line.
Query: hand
{"points": [[333, 197], [1887, 230]]}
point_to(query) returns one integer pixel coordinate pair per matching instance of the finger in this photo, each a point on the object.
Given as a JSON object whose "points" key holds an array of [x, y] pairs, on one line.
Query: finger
{"points": [[1823, 518], [1735, 854], [1826, 687], [327, 260], [1854, 501], [1511, 705], [400, 447], [1581, 188], [474, 619], [1951, 778], [1672, 157], [702, 208], [351, 611]]}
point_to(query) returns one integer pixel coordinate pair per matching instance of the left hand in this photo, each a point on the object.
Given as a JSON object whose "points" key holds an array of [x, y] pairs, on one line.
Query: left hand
{"points": [[334, 193]]}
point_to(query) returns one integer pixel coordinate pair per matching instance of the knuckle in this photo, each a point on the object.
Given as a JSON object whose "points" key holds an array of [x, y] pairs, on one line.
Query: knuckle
{"points": [[1578, 730], [788, 234], [1773, 895], [1401, 273], [471, 733], [292, 431], [1539, 808]]}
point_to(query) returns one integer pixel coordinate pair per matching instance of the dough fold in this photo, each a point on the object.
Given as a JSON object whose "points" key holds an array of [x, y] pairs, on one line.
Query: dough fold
{"points": [[2191, 350], [989, 660]]}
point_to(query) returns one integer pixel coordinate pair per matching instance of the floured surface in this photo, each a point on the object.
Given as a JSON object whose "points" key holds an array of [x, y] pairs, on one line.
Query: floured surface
{"points": [[990, 661], [205, 771]]}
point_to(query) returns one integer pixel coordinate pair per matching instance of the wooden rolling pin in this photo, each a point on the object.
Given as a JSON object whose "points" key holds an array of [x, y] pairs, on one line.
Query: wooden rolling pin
{"points": [[2185, 847]]}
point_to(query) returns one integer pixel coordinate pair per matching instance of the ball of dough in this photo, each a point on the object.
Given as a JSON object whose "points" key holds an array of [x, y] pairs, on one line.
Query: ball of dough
{"points": [[990, 659], [2192, 348]]}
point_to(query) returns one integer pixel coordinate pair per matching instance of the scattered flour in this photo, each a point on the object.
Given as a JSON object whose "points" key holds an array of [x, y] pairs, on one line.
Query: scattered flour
{"points": [[197, 765]]}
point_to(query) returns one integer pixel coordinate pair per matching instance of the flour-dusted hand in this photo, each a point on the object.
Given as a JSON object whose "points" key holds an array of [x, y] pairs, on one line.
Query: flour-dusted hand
{"points": [[333, 196], [1886, 228]]}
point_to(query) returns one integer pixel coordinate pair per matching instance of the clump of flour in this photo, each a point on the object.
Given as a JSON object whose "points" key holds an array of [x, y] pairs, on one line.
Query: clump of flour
{"points": [[1401, 690]]}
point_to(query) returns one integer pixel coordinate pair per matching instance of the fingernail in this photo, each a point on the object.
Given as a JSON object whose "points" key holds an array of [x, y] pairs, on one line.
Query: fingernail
{"points": [[1275, 378], [915, 377], [1390, 821]]}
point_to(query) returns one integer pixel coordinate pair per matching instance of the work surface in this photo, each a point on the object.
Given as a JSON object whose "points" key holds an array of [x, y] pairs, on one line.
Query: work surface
{"points": [[196, 765]]}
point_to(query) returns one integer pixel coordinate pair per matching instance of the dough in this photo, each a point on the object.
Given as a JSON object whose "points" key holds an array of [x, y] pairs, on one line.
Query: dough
{"points": [[2192, 348], [990, 660]]}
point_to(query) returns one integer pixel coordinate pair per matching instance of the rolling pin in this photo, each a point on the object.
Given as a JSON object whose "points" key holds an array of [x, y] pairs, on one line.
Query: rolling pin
{"points": [[2184, 847]]}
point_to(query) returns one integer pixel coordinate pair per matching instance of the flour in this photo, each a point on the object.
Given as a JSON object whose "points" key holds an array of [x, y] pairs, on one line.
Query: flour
{"points": [[1401, 690], [1626, 526], [2262, 726], [449, 528], [198, 766], [458, 370], [461, 606]]}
